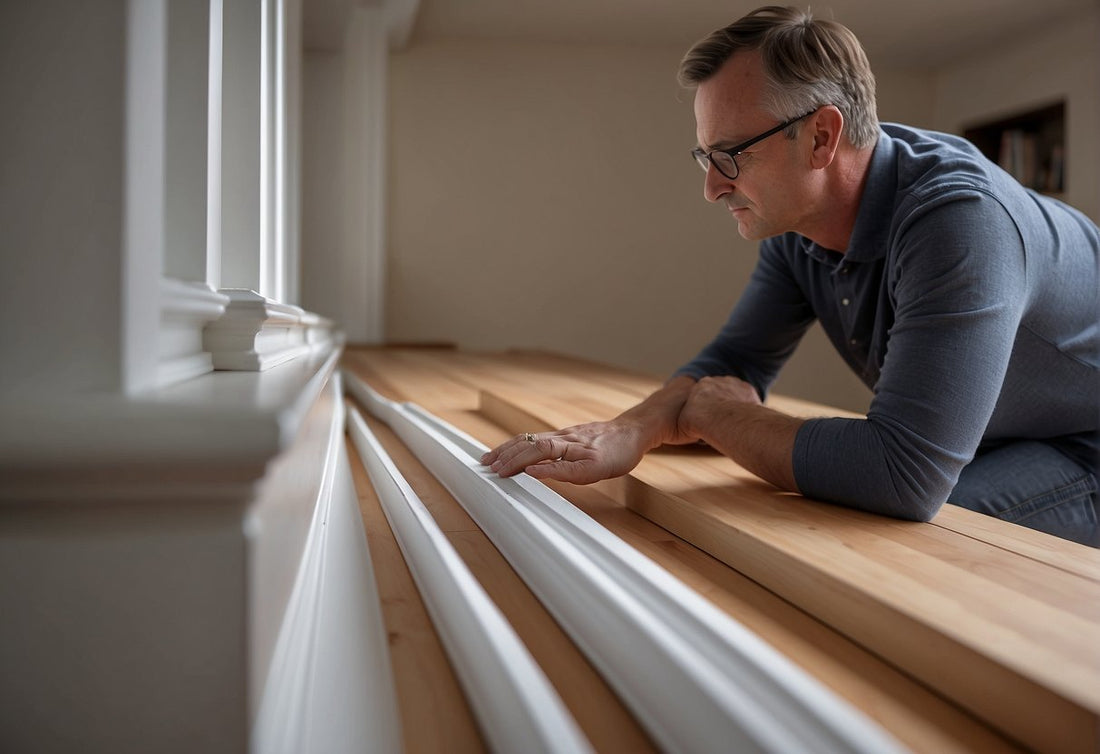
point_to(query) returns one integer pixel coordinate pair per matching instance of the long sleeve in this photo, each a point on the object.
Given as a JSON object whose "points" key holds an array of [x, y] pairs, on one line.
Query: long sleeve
{"points": [[958, 286]]}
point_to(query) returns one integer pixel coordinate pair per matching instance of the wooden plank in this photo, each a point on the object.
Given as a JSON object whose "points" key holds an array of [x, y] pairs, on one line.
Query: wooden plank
{"points": [[575, 377], [595, 389], [1026, 663], [688, 467], [602, 717], [402, 374], [721, 685], [1081, 561], [515, 705], [434, 714], [501, 371], [608, 725], [918, 717]]}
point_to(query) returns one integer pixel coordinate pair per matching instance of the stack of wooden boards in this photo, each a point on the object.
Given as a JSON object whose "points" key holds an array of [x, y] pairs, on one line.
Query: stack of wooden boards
{"points": [[964, 634]]}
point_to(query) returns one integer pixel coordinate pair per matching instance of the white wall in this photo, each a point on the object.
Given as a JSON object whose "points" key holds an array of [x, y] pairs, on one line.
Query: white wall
{"points": [[62, 185], [542, 195]]}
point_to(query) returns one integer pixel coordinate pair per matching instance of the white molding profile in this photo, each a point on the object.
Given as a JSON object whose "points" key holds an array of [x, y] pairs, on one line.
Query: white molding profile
{"points": [[330, 685], [516, 706], [256, 333], [698, 680], [185, 309]]}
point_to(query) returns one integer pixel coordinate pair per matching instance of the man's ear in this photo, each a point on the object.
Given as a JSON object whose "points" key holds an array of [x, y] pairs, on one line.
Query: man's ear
{"points": [[827, 129]]}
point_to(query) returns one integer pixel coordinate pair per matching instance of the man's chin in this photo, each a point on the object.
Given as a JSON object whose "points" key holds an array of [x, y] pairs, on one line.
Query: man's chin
{"points": [[753, 232], [748, 231]]}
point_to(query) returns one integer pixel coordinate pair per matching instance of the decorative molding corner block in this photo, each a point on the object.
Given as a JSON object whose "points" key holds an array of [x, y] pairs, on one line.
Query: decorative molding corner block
{"points": [[185, 309], [720, 687], [514, 702], [255, 333]]}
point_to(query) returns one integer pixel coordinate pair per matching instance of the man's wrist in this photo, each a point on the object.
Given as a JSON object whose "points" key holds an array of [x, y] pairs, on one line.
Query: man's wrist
{"points": [[656, 419]]}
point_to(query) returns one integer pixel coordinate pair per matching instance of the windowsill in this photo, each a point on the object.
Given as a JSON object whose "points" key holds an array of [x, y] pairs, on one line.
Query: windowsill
{"points": [[199, 437]]}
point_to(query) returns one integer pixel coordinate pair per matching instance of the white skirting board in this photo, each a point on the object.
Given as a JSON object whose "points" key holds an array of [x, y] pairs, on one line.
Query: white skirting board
{"points": [[330, 686], [720, 687], [516, 706]]}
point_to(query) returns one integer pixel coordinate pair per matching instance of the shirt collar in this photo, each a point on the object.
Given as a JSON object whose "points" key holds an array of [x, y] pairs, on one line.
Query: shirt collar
{"points": [[876, 207], [872, 226]]}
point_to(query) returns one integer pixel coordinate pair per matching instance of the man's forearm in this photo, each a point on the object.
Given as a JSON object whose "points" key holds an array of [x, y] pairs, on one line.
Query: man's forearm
{"points": [[758, 438]]}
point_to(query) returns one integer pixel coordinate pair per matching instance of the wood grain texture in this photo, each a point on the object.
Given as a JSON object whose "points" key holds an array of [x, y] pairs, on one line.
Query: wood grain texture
{"points": [[435, 716], [602, 717], [917, 716], [1012, 638]]}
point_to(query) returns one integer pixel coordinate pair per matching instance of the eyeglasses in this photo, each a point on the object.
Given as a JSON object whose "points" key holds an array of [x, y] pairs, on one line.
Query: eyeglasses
{"points": [[723, 159]]}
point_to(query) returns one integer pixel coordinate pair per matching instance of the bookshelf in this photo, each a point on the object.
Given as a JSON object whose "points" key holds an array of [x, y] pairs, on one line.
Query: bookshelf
{"points": [[1030, 145]]}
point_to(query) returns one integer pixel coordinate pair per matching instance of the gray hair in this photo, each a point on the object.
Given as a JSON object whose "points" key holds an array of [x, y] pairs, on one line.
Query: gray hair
{"points": [[807, 63]]}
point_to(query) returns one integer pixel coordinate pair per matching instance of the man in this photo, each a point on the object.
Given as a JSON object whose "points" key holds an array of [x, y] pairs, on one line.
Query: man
{"points": [[967, 303]]}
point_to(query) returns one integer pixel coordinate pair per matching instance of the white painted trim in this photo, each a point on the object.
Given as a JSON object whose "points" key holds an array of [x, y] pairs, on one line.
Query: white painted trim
{"points": [[187, 511], [330, 685], [144, 145], [721, 688], [185, 309], [514, 702], [71, 446], [255, 333]]}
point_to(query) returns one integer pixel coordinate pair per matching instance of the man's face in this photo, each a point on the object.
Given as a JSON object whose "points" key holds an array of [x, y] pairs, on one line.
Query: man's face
{"points": [[764, 197]]}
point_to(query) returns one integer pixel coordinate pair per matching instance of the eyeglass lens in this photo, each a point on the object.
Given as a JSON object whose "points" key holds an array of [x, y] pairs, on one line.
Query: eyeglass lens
{"points": [[722, 160]]}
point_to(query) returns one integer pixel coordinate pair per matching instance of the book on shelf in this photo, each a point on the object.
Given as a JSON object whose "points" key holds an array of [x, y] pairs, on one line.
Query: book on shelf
{"points": [[1020, 157]]}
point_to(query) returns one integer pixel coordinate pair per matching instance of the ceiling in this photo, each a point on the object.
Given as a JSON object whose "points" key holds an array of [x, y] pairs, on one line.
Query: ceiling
{"points": [[920, 35]]}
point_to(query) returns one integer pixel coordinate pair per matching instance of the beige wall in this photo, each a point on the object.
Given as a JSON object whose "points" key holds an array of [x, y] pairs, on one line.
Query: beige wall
{"points": [[541, 196], [1062, 62]]}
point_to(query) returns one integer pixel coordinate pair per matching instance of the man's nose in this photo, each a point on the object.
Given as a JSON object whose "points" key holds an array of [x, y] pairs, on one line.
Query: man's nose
{"points": [[716, 185]]}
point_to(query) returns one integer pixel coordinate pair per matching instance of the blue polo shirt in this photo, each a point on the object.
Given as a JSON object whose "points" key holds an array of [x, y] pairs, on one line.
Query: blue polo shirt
{"points": [[968, 304]]}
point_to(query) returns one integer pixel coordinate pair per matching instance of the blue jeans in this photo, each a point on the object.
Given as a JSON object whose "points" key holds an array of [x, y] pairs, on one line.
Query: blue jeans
{"points": [[1034, 485]]}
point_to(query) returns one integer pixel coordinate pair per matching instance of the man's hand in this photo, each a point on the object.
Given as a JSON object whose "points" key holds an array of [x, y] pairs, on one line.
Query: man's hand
{"points": [[590, 452], [582, 454]]}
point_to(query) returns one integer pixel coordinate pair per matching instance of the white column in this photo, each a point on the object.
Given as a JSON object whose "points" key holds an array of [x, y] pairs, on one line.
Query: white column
{"points": [[144, 193]]}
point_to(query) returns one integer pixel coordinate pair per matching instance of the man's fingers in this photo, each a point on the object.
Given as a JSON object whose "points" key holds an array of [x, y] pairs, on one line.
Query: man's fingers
{"points": [[516, 455], [577, 472]]}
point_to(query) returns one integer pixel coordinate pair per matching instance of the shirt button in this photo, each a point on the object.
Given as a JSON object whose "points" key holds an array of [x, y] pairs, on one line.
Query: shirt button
{"points": [[844, 301]]}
